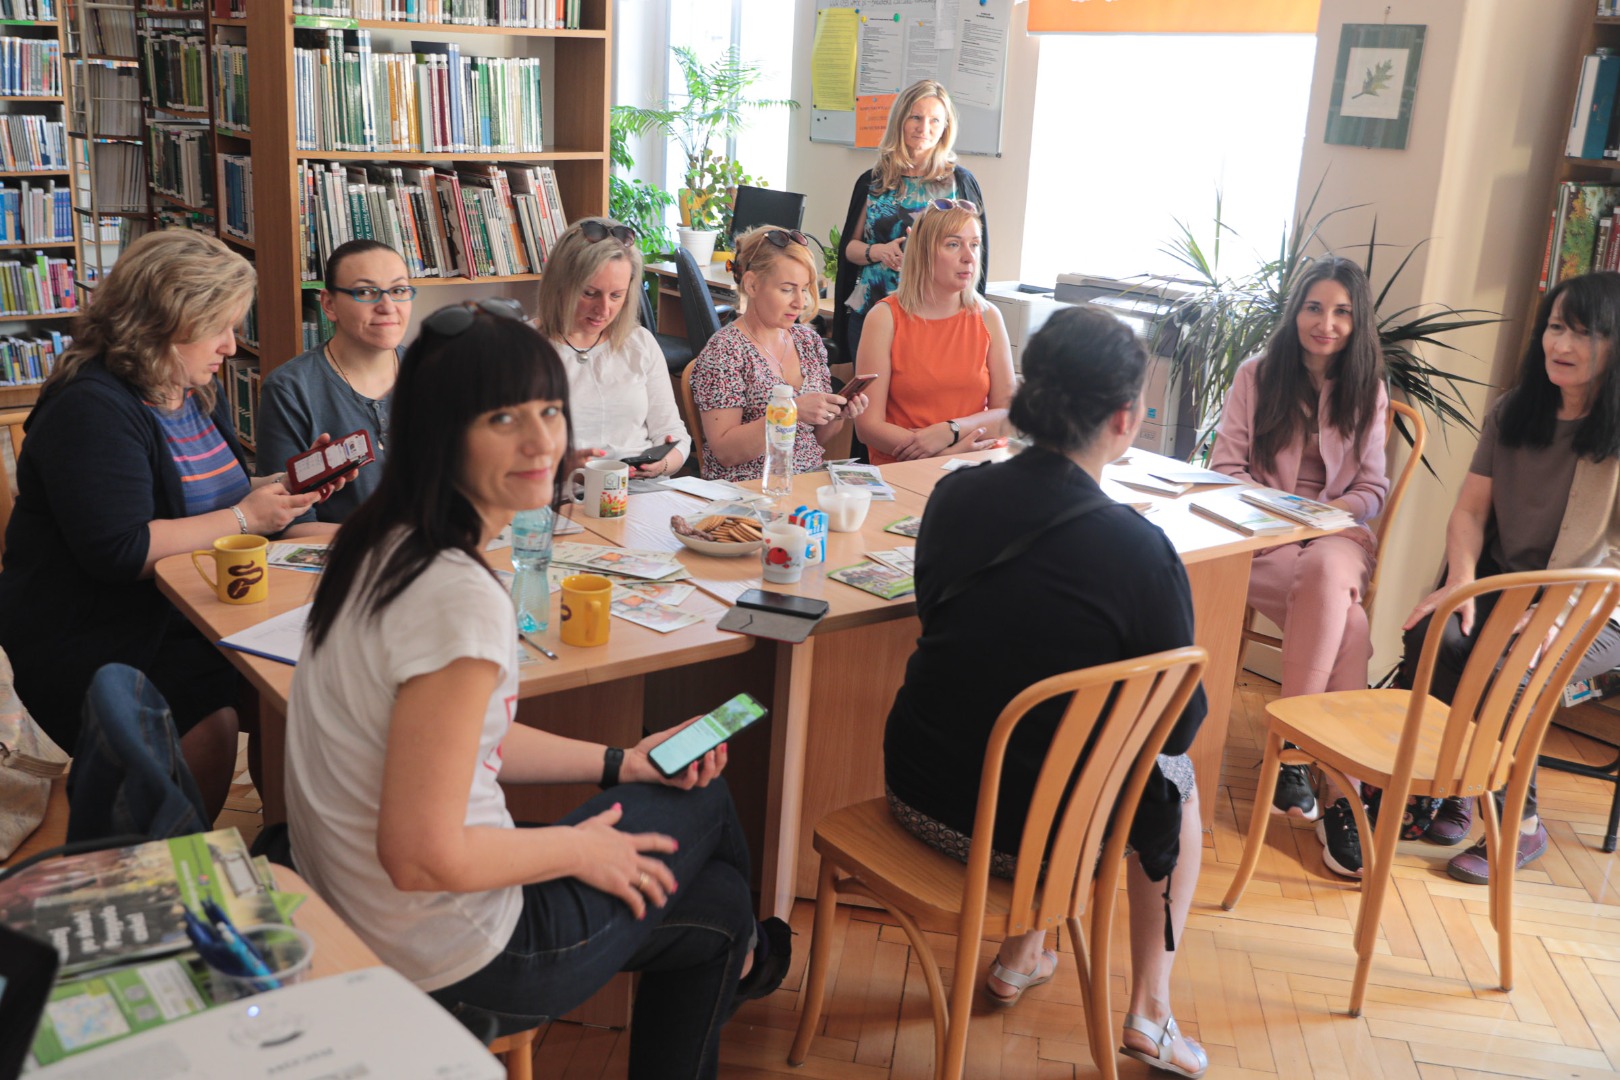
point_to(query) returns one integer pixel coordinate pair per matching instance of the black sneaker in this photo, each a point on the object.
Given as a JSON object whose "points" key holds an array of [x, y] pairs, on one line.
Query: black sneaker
{"points": [[1294, 796], [1341, 846], [773, 952]]}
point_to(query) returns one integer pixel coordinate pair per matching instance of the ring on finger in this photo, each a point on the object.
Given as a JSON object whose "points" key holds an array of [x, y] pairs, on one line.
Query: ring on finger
{"points": [[641, 882]]}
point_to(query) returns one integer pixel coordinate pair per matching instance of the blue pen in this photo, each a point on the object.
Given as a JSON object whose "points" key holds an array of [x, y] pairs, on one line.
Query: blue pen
{"points": [[209, 947], [245, 953]]}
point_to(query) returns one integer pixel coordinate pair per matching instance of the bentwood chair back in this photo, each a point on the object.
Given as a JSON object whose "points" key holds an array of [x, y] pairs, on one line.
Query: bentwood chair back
{"points": [[1380, 525], [689, 412], [1129, 707], [11, 430], [1408, 743]]}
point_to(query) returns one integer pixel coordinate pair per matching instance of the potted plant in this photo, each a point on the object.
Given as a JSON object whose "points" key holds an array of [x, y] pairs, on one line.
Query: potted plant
{"points": [[639, 205], [1220, 321], [715, 106]]}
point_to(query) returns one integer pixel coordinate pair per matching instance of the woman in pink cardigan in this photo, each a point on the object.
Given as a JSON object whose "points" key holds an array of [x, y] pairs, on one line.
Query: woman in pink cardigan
{"points": [[1307, 416]]}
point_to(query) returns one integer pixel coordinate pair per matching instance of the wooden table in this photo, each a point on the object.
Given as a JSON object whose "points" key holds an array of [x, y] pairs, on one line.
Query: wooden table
{"points": [[337, 947], [722, 286]]}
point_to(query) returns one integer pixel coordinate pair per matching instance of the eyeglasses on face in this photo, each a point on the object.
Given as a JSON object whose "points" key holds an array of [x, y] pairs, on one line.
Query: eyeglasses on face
{"points": [[455, 319], [595, 232], [953, 204], [371, 294]]}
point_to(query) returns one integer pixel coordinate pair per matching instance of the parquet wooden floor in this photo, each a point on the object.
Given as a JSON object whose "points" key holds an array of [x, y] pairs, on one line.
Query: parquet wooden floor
{"points": [[1265, 987]]}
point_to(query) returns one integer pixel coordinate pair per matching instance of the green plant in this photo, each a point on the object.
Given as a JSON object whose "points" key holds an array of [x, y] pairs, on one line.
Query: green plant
{"points": [[712, 193], [1224, 320], [640, 205], [829, 254], [715, 106]]}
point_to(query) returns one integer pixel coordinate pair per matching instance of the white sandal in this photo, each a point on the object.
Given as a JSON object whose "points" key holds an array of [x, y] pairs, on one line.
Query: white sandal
{"points": [[1165, 1037], [1018, 980]]}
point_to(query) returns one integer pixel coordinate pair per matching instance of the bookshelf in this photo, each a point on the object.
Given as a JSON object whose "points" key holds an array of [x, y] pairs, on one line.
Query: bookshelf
{"points": [[576, 89], [37, 178]]}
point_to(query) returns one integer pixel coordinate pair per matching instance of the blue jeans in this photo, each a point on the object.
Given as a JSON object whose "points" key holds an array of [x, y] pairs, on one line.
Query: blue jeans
{"points": [[571, 938], [853, 321]]}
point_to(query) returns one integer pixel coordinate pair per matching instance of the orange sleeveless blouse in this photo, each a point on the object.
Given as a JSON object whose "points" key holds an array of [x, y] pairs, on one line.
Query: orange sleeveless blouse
{"points": [[939, 369]]}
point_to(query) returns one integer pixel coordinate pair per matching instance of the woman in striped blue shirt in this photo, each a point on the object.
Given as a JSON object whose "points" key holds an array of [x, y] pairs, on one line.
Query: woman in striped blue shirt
{"points": [[131, 457]]}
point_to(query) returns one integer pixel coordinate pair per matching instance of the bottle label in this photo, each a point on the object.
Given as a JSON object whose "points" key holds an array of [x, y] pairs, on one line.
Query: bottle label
{"points": [[782, 415]]}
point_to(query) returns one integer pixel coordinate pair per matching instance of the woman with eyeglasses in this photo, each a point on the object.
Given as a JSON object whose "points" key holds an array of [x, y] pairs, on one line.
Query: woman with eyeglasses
{"points": [[939, 350], [345, 384], [400, 734], [769, 343], [619, 393], [916, 164], [131, 457]]}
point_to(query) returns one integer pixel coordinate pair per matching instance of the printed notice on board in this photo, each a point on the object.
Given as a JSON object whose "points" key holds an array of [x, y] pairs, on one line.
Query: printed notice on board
{"points": [[945, 16], [922, 57], [978, 61], [832, 60], [871, 118], [882, 65]]}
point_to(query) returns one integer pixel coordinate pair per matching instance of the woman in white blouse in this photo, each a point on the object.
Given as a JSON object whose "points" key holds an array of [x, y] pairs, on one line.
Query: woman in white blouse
{"points": [[618, 384]]}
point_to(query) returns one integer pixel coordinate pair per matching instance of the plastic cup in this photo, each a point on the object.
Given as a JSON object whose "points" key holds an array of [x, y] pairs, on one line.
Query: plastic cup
{"points": [[287, 951], [846, 506]]}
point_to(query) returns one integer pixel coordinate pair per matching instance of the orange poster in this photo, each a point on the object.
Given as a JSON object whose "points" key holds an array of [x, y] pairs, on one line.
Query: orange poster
{"points": [[871, 117], [1174, 16]]}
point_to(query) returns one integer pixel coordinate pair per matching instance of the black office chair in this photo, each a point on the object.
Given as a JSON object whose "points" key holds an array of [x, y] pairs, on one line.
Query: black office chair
{"points": [[697, 305], [677, 351]]}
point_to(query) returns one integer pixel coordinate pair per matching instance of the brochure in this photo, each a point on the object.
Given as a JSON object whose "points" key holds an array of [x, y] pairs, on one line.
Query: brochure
{"points": [[877, 579]]}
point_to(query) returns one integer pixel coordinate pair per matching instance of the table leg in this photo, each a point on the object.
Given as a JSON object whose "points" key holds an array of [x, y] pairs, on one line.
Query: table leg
{"points": [[785, 799], [1219, 588], [272, 740]]}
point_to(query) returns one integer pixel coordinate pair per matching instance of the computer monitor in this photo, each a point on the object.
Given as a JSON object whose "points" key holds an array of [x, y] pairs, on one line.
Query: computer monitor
{"points": [[762, 206]]}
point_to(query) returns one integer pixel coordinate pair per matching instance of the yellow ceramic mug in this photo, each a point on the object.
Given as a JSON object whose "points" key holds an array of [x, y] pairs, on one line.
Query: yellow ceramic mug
{"points": [[241, 575], [586, 603]]}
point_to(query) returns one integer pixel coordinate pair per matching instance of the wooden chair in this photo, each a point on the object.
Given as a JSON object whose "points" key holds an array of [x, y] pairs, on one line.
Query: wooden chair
{"points": [[689, 412], [1408, 743], [1380, 526], [516, 1052], [11, 428], [1131, 705]]}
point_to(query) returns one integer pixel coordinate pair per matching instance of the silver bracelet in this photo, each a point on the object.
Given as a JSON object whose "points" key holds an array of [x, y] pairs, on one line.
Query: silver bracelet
{"points": [[241, 520]]}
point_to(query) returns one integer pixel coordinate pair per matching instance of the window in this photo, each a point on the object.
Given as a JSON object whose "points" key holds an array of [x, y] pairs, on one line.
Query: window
{"points": [[1134, 131]]}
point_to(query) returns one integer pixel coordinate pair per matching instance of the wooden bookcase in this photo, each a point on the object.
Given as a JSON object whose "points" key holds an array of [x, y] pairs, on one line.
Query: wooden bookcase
{"points": [[577, 93], [52, 107]]}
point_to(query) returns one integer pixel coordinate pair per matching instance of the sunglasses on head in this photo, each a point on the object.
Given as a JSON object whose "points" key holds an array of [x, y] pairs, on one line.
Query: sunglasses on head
{"points": [[455, 319], [595, 232], [952, 204], [781, 238]]}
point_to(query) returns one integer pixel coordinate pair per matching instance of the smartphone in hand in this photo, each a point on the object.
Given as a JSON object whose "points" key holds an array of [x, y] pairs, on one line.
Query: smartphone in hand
{"points": [[856, 385], [654, 453], [672, 756]]}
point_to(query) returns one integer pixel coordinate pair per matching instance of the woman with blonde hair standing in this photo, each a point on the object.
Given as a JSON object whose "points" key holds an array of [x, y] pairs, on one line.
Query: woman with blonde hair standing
{"points": [[618, 384], [939, 350], [733, 376], [916, 164]]}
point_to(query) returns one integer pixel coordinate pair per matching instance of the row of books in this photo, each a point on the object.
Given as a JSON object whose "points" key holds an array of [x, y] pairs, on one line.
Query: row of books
{"points": [[30, 67], [25, 360], [1573, 234], [1594, 128], [315, 325], [543, 14], [28, 9], [431, 100], [232, 9], [120, 177], [249, 333], [1608, 9], [241, 378], [176, 71], [29, 143], [114, 101], [231, 81], [182, 163], [30, 214], [112, 33], [37, 286], [471, 221], [236, 195]]}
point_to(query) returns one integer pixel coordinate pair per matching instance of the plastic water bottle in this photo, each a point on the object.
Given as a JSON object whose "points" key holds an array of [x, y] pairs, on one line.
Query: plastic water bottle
{"points": [[781, 424], [531, 558]]}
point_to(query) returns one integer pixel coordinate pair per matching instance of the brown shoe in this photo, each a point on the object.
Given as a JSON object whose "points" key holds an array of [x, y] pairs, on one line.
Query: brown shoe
{"points": [[1473, 867], [1452, 822]]}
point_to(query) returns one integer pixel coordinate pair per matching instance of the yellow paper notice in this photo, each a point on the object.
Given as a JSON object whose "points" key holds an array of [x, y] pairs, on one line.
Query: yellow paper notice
{"points": [[832, 60]]}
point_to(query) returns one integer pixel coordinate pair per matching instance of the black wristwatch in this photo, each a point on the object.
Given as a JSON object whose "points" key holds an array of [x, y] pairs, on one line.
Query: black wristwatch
{"points": [[956, 431], [612, 758]]}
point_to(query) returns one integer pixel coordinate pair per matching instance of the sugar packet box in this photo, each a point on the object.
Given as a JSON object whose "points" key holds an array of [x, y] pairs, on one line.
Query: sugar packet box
{"points": [[814, 523]]}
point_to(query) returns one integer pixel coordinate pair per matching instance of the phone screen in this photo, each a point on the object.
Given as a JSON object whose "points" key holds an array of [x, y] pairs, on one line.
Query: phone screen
{"points": [[653, 453], [677, 752], [803, 606]]}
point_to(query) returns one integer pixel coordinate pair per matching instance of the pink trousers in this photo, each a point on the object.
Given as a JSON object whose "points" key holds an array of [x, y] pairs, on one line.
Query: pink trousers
{"points": [[1313, 591]]}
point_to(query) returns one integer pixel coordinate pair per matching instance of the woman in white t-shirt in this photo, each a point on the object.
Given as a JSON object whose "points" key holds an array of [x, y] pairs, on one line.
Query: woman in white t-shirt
{"points": [[619, 391], [400, 727]]}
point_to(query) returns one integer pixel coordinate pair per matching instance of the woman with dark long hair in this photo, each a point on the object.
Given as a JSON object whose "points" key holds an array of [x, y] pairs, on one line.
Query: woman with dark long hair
{"points": [[1307, 416], [400, 731]]}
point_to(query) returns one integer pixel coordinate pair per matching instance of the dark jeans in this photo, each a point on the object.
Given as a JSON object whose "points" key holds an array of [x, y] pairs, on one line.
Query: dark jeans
{"points": [[1455, 647], [571, 939], [853, 321]]}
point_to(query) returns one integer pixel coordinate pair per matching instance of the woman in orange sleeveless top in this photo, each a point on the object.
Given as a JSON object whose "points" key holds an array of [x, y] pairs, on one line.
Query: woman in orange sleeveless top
{"points": [[939, 350]]}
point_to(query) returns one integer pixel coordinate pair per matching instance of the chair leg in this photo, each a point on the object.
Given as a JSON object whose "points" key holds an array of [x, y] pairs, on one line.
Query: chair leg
{"points": [[1374, 887], [1258, 820], [1502, 856], [949, 1066], [820, 951], [517, 1054], [936, 984], [1099, 1006]]}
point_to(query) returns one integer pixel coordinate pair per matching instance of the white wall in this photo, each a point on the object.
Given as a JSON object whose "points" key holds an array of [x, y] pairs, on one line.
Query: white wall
{"points": [[826, 173]]}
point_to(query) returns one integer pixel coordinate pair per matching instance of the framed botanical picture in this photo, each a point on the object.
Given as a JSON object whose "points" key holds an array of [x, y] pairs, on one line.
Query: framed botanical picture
{"points": [[1374, 84]]}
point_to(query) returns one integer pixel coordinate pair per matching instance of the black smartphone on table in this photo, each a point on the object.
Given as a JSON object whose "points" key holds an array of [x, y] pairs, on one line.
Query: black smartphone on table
{"points": [[654, 453], [672, 756], [805, 607]]}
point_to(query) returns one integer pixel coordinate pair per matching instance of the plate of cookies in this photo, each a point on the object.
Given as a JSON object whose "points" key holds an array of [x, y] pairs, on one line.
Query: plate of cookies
{"points": [[738, 532]]}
